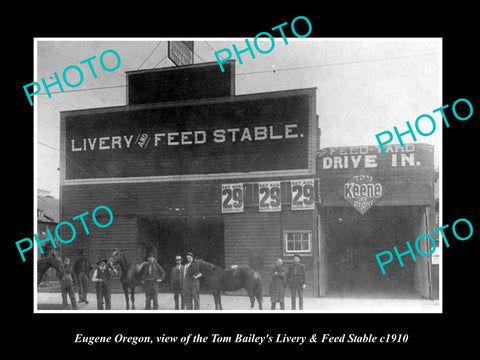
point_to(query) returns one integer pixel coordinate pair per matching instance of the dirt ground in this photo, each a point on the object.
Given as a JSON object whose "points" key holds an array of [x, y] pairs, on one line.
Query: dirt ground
{"points": [[51, 299]]}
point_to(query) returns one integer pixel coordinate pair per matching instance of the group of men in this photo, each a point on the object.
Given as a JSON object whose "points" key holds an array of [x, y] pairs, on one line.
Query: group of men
{"points": [[79, 274], [184, 282], [294, 276]]}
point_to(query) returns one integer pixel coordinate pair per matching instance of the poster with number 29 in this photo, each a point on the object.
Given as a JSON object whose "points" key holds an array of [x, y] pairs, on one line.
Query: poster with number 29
{"points": [[269, 196], [232, 198], [303, 194]]}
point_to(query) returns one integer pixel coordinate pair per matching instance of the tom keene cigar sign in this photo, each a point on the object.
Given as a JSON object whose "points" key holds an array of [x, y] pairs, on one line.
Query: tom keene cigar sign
{"points": [[216, 136], [365, 167]]}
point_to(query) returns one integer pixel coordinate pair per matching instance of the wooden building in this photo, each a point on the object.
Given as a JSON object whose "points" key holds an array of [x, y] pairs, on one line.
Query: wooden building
{"points": [[47, 220], [370, 203], [237, 180]]}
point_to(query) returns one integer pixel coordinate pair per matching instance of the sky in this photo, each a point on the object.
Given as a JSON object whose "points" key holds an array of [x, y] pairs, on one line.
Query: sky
{"points": [[364, 86]]}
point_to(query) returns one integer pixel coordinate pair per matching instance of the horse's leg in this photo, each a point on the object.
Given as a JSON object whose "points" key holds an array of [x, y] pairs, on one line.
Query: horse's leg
{"points": [[258, 291], [133, 297], [125, 291], [259, 300], [249, 287], [252, 301], [214, 293], [219, 300]]}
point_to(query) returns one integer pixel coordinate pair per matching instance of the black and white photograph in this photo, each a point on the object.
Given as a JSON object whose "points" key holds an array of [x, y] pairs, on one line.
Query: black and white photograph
{"points": [[256, 162], [271, 184]]}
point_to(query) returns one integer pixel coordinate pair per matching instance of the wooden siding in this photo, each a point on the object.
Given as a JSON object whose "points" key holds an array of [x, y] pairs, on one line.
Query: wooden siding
{"points": [[245, 233], [262, 233]]}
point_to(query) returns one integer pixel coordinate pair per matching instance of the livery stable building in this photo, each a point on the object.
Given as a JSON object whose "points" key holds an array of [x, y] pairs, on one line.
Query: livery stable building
{"points": [[187, 165]]}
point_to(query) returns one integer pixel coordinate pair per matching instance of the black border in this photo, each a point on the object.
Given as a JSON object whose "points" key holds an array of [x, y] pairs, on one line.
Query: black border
{"points": [[430, 334]]}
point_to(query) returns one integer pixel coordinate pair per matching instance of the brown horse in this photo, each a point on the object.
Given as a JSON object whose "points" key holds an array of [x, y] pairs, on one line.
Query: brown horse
{"points": [[130, 277], [52, 260], [219, 279]]}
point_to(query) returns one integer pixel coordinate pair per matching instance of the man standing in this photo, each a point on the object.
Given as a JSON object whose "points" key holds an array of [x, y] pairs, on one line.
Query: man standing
{"points": [[82, 270], [67, 278], [296, 281], [278, 284], [191, 283], [176, 282], [101, 278], [152, 275]]}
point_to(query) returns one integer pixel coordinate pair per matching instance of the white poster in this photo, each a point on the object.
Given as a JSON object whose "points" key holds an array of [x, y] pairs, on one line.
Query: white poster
{"points": [[232, 198], [269, 196], [303, 194]]}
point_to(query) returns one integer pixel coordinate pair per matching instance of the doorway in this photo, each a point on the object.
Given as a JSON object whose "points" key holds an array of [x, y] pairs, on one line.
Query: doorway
{"points": [[167, 237], [350, 242]]}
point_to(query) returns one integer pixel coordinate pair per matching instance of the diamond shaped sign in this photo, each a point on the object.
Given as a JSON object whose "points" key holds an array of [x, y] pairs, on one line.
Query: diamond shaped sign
{"points": [[362, 192]]}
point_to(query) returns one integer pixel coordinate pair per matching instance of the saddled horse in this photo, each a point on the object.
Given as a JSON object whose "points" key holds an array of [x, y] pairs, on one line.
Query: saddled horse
{"points": [[130, 277], [46, 263], [219, 279]]}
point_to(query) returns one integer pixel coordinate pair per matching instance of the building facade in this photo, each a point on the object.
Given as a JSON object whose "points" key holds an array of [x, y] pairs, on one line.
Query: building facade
{"points": [[239, 180]]}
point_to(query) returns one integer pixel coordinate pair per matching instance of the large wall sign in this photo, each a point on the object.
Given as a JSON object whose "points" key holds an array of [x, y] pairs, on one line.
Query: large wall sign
{"points": [[244, 134], [371, 157], [361, 175]]}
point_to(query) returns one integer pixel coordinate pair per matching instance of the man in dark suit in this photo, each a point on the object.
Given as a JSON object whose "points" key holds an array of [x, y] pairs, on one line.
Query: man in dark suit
{"points": [[152, 274], [67, 279], [82, 270], [176, 282], [191, 284], [296, 281]]}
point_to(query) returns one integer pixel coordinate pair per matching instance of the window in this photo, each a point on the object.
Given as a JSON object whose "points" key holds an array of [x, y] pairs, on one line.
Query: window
{"points": [[297, 241]]}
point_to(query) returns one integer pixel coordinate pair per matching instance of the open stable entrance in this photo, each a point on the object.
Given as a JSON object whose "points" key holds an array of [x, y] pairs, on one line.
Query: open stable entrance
{"points": [[167, 237], [351, 241], [370, 203]]}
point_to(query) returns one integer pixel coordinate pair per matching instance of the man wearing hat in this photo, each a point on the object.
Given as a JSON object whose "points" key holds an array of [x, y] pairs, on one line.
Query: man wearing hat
{"points": [[152, 275], [101, 277], [82, 270], [191, 285], [67, 278], [176, 282], [296, 281]]}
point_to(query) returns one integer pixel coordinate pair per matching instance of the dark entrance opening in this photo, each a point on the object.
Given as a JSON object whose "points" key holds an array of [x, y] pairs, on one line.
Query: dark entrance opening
{"points": [[170, 236], [352, 241]]}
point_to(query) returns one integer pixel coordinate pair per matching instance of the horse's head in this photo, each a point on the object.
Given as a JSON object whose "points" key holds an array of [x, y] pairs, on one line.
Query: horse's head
{"points": [[54, 260], [206, 268], [116, 257]]}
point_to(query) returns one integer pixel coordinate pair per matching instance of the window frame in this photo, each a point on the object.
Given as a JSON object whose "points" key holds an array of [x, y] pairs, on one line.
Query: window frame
{"points": [[292, 252]]}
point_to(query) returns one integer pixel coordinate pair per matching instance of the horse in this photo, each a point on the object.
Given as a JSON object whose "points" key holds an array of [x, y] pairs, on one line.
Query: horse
{"points": [[130, 277], [46, 263], [219, 279]]}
